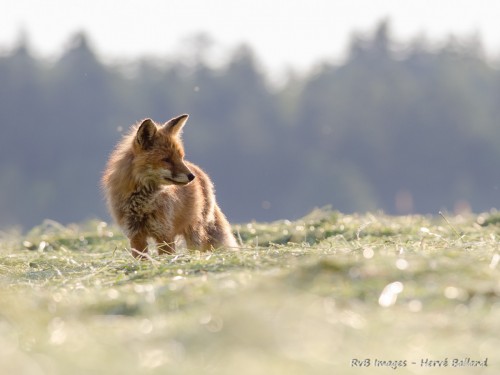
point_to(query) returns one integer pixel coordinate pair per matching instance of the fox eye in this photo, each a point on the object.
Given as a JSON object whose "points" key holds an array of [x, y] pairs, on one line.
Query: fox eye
{"points": [[167, 160]]}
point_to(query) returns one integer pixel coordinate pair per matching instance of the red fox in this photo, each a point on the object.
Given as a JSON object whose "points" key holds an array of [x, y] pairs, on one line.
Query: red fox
{"points": [[153, 193]]}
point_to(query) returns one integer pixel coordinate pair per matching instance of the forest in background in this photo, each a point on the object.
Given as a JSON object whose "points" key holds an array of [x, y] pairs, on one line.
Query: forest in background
{"points": [[404, 128]]}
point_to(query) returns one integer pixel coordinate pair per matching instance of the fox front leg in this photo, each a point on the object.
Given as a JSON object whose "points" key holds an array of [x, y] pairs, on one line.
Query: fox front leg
{"points": [[139, 246]]}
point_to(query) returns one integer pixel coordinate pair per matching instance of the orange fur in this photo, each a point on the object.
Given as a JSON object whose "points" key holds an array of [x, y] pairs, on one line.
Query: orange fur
{"points": [[153, 193]]}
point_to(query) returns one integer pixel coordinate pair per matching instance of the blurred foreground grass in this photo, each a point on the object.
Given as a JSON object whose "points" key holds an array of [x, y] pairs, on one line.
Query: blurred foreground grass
{"points": [[304, 297]]}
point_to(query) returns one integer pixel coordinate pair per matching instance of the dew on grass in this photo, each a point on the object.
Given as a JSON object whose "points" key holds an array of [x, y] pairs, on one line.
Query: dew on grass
{"points": [[389, 295], [368, 252], [401, 264], [57, 331]]}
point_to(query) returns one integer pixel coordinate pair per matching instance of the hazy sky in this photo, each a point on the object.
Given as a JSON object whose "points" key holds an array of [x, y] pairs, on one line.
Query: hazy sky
{"points": [[282, 32]]}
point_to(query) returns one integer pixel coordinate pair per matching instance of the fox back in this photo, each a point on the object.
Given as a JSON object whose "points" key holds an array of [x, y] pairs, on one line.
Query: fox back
{"points": [[153, 193]]}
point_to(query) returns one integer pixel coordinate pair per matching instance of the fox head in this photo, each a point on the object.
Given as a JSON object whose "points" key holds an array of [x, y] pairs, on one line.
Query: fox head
{"points": [[159, 153]]}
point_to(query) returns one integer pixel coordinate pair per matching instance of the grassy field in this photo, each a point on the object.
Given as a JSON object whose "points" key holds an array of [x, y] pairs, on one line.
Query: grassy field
{"points": [[327, 294]]}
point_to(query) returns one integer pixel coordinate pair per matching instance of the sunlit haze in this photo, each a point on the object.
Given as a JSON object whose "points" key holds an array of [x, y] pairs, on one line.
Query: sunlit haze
{"points": [[283, 33]]}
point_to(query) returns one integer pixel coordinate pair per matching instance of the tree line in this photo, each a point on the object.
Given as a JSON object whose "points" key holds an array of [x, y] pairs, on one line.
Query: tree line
{"points": [[407, 128]]}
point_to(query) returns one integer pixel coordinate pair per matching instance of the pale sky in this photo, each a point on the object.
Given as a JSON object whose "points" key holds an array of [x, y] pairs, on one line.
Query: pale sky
{"points": [[283, 33]]}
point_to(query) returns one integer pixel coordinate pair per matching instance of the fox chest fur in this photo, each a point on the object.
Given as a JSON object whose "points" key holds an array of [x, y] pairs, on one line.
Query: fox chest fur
{"points": [[142, 211], [158, 210]]}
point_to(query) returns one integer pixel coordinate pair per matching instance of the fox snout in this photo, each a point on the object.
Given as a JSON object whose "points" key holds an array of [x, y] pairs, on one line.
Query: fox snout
{"points": [[182, 177], [179, 178]]}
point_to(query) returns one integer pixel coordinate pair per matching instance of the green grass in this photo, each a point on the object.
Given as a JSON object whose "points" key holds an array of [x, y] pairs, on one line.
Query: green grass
{"points": [[304, 297]]}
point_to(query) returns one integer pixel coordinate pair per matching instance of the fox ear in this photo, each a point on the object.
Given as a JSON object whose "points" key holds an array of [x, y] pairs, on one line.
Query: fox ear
{"points": [[146, 134], [174, 126]]}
